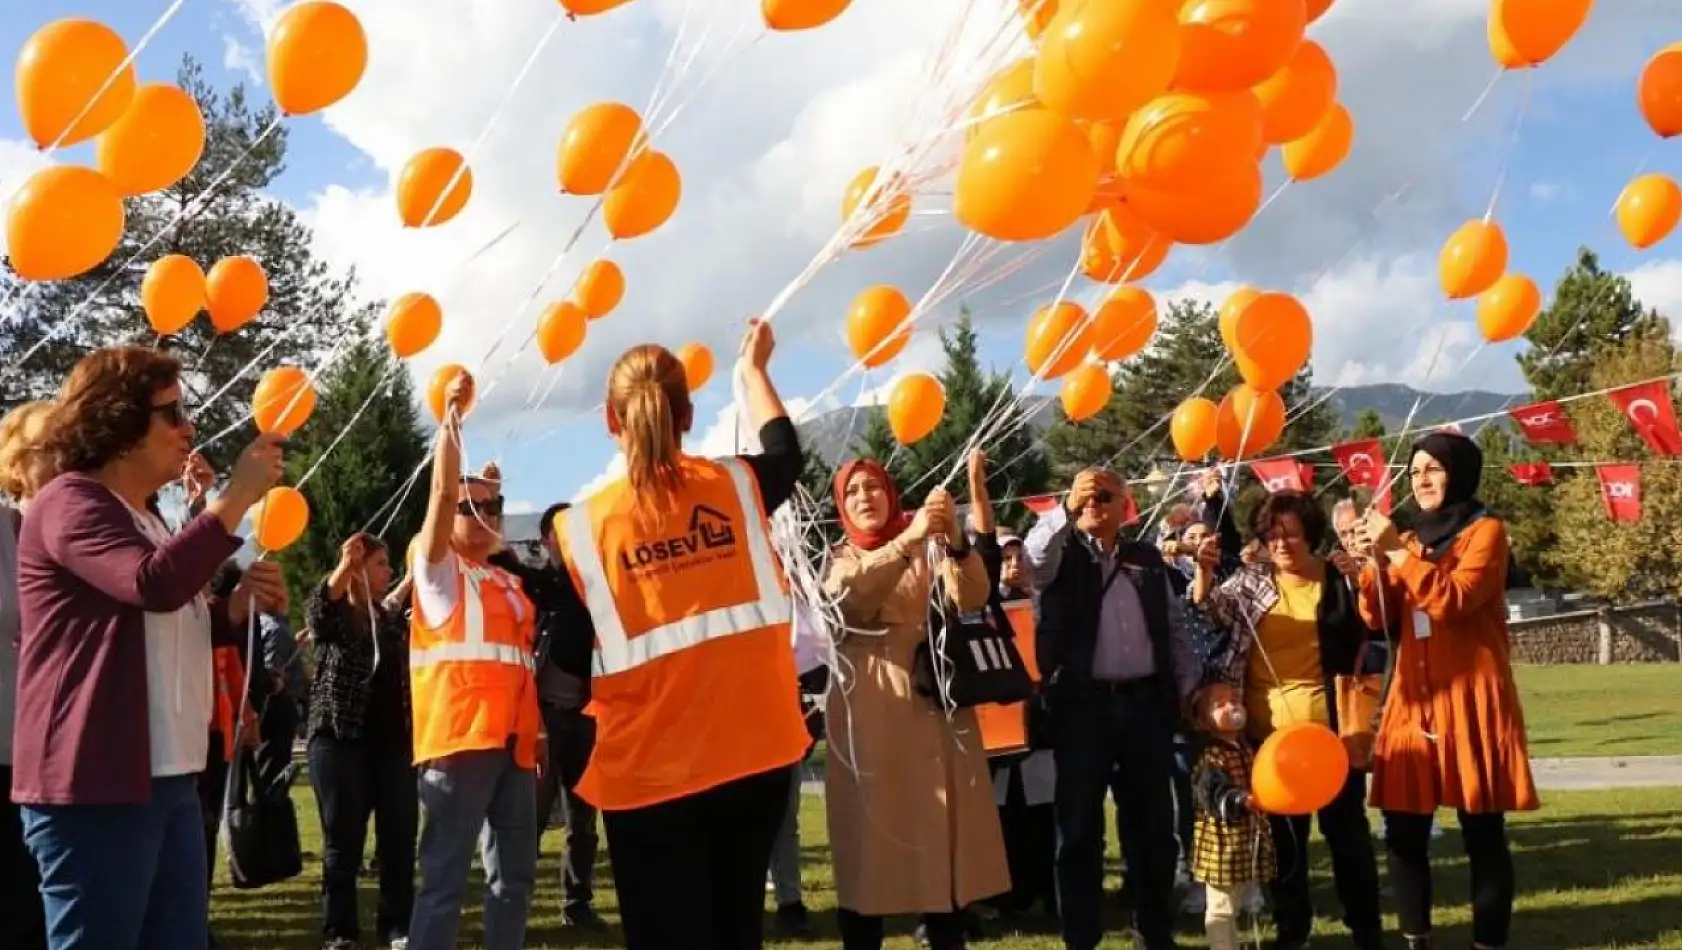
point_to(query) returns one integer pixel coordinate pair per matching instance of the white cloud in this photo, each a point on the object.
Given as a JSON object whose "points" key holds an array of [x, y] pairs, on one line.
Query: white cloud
{"points": [[241, 58], [1658, 284], [1548, 192], [18, 161]]}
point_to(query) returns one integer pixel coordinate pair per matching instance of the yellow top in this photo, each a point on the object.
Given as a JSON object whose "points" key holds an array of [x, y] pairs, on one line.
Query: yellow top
{"points": [[1286, 682]]}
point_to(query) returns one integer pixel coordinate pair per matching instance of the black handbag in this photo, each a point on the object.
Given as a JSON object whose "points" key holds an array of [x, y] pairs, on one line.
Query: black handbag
{"points": [[972, 661], [263, 844]]}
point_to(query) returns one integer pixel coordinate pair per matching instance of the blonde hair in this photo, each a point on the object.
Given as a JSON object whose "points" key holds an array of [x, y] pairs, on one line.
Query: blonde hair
{"points": [[648, 393], [20, 438]]}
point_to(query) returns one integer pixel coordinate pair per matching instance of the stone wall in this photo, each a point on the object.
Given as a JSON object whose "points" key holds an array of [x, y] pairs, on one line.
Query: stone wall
{"points": [[1645, 633]]}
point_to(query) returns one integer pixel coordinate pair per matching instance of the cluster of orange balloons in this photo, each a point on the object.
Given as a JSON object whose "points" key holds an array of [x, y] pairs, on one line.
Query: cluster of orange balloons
{"points": [[1650, 206], [562, 327], [605, 149], [1473, 263], [883, 207], [1161, 107], [175, 289], [1269, 335]]}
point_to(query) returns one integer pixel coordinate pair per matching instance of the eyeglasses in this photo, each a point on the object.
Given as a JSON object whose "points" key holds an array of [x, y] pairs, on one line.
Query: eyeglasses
{"points": [[480, 509], [1103, 496], [172, 413]]}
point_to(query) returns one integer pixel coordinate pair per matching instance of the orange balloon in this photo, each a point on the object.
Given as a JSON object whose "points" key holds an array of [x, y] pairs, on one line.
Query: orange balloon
{"points": [[600, 288], [790, 15], [172, 293], [1230, 309], [1318, 8], [412, 323], [697, 363], [1192, 428], [1025, 176], [1059, 337], [645, 198], [1323, 149], [887, 211], [1230, 45], [1248, 421], [1299, 770], [1295, 99], [590, 7], [1533, 32], [594, 145], [878, 325], [280, 519], [1037, 15], [1010, 89], [62, 223], [1101, 60], [1648, 210], [421, 199], [317, 55], [915, 407], [1105, 138], [282, 401], [1210, 213], [1119, 246], [1123, 324], [1181, 139], [61, 72], [1508, 309], [155, 144], [1086, 392], [560, 331], [1472, 259], [1659, 92], [440, 384], [1271, 339], [236, 292]]}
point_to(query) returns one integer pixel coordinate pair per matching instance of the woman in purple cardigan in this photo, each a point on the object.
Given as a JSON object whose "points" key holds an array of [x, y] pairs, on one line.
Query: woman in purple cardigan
{"points": [[114, 665]]}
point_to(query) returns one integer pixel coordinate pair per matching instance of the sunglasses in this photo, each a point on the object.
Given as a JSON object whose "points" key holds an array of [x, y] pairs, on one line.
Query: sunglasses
{"points": [[171, 412], [481, 509], [1103, 496]]}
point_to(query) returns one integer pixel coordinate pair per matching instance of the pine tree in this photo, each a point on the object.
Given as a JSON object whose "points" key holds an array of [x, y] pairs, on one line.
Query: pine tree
{"points": [[308, 308], [368, 399], [817, 477], [1592, 311], [1368, 425]]}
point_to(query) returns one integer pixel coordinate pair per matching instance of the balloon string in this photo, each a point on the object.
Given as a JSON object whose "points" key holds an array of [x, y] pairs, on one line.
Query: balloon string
{"points": [[373, 394], [1512, 144], [111, 79]]}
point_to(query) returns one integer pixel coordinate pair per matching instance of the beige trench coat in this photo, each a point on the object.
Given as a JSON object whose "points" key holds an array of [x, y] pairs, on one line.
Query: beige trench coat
{"points": [[912, 823]]}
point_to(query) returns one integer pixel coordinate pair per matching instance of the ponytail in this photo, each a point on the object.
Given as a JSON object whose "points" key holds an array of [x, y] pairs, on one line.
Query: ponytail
{"points": [[648, 394]]}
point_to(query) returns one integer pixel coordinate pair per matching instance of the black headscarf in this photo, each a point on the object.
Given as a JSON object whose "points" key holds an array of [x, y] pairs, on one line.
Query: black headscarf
{"points": [[1463, 461]]}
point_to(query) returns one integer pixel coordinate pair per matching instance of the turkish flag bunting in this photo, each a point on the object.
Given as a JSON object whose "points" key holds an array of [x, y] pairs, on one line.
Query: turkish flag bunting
{"points": [[1620, 489], [1647, 407], [1040, 504], [1364, 465], [1280, 474], [1544, 423], [1532, 473]]}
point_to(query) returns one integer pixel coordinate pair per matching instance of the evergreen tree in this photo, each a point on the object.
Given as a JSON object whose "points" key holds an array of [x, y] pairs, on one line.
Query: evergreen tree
{"points": [[1368, 425], [1592, 311], [974, 396], [366, 398], [308, 307], [818, 479]]}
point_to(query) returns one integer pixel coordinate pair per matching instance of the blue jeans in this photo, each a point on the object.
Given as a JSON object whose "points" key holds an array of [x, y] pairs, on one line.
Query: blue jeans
{"points": [[460, 796], [124, 877]]}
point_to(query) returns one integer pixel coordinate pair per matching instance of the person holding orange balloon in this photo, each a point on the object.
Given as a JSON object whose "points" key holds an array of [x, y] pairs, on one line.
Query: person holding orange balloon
{"points": [[1119, 672], [1294, 627], [114, 662], [1452, 733], [1233, 852]]}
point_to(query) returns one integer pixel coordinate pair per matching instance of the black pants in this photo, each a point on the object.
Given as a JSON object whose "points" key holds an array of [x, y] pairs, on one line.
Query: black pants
{"points": [[1030, 833], [1185, 810], [213, 788], [1096, 730], [690, 873], [1344, 825], [276, 731], [23, 923], [1408, 841], [861, 932], [353, 779], [571, 737]]}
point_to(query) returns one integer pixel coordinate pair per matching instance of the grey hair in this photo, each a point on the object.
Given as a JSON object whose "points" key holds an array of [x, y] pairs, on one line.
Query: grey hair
{"points": [[1344, 504]]}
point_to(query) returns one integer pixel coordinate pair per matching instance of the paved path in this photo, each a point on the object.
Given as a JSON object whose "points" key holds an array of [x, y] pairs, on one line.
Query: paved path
{"points": [[1559, 775]]}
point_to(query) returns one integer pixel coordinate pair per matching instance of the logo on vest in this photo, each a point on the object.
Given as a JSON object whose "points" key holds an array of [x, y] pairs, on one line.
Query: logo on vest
{"points": [[710, 536]]}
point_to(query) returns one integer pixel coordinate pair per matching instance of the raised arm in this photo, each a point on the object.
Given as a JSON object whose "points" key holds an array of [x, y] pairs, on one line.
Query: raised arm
{"points": [[777, 466], [863, 580], [434, 538]]}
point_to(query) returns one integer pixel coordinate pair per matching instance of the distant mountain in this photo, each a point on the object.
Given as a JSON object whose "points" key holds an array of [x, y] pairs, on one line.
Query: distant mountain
{"points": [[833, 433]]}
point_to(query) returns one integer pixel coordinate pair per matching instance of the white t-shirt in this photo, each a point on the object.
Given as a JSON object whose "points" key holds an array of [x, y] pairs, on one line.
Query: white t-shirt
{"points": [[436, 588], [180, 677]]}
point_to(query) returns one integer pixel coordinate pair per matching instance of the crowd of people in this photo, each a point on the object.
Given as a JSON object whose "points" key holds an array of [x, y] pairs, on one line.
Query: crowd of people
{"points": [[642, 677]]}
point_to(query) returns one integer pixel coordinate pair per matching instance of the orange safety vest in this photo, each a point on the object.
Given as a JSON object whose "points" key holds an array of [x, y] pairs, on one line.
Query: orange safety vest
{"points": [[230, 683], [470, 677], [693, 682]]}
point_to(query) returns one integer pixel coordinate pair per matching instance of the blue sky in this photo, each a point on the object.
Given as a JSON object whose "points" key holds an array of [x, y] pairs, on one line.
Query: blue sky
{"points": [[749, 224]]}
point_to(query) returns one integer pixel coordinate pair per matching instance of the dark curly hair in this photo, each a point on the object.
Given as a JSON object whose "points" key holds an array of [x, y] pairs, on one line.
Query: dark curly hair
{"points": [[1279, 504], [105, 406]]}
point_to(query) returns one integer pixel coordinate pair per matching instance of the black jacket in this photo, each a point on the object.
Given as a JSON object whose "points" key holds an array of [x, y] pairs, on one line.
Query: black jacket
{"points": [[565, 635]]}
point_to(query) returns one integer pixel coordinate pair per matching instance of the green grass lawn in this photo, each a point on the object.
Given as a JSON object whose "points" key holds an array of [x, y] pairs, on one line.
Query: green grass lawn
{"points": [[1603, 710], [1596, 870]]}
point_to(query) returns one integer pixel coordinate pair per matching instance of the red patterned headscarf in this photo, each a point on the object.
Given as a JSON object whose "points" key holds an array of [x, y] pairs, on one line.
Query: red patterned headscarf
{"points": [[892, 525]]}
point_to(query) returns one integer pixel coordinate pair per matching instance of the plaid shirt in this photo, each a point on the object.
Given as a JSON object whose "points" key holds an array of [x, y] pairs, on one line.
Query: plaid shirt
{"points": [[344, 662], [1231, 845], [1237, 606]]}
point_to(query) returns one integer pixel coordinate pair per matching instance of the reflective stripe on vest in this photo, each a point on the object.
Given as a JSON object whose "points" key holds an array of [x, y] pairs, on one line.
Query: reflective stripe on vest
{"points": [[472, 647], [615, 652]]}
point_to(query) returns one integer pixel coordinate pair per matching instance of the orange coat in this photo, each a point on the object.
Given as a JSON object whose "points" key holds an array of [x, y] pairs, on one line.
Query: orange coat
{"points": [[1452, 733]]}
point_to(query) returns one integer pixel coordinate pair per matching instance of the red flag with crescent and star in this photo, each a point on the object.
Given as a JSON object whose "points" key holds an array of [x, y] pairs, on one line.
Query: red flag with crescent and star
{"points": [[1532, 473], [1648, 409], [1363, 463], [1544, 423], [1283, 474], [1620, 489]]}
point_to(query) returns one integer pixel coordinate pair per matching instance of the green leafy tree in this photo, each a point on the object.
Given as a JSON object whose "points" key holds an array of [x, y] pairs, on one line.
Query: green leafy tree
{"points": [[1592, 312], [1368, 425], [308, 309], [359, 448]]}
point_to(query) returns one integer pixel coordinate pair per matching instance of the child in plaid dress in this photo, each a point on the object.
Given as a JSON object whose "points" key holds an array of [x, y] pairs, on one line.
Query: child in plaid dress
{"points": [[1233, 850]]}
